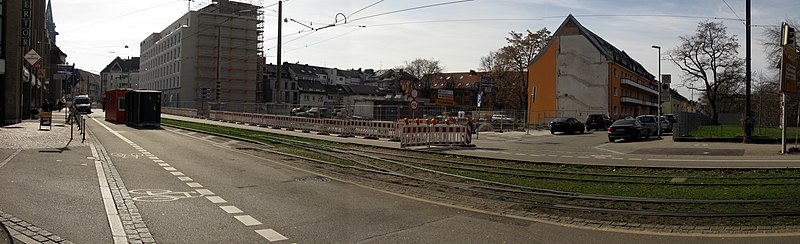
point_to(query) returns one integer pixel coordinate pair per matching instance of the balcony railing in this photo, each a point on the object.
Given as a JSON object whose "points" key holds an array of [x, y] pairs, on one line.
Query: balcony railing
{"points": [[638, 86], [637, 101]]}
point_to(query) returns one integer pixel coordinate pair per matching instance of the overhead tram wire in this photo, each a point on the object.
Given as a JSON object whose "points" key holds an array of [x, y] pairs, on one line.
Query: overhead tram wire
{"points": [[734, 12], [119, 16], [362, 9]]}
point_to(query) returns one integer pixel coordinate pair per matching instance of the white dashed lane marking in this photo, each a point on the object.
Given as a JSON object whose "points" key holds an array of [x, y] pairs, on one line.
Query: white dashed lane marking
{"points": [[152, 157], [176, 173], [216, 199], [231, 209], [194, 184], [170, 168], [185, 178], [158, 161], [163, 164], [247, 220], [204, 192], [271, 235]]}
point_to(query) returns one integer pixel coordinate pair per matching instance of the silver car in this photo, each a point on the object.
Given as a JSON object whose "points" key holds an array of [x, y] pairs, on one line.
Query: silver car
{"points": [[649, 121]]}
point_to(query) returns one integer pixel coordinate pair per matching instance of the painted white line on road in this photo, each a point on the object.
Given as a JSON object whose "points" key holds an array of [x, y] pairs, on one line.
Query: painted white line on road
{"points": [[617, 158], [185, 178], [551, 155], [194, 184], [566, 156], [163, 164], [635, 159], [271, 235], [154, 158], [170, 168], [114, 221], [204, 192], [728, 160], [584, 157], [520, 154], [158, 161], [231, 209], [142, 150], [247, 220], [8, 159], [534, 155], [216, 199], [176, 173], [601, 147]]}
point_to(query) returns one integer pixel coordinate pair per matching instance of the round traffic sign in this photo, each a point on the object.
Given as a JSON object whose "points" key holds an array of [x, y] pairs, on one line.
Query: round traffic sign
{"points": [[414, 105], [414, 93]]}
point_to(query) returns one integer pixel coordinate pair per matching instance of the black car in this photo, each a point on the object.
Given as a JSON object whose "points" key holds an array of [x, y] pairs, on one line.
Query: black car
{"points": [[627, 128], [598, 122], [566, 125]]}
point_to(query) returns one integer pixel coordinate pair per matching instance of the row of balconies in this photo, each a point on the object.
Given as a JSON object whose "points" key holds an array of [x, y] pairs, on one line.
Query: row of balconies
{"points": [[637, 101], [638, 86]]}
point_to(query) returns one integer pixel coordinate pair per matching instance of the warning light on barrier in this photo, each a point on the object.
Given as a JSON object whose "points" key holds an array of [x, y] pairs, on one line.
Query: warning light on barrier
{"points": [[417, 120], [405, 120], [433, 121], [427, 121], [447, 121]]}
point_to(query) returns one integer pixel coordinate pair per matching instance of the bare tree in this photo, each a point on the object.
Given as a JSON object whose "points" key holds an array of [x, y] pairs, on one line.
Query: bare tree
{"points": [[709, 57], [771, 42], [423, 69], [509, 64]]}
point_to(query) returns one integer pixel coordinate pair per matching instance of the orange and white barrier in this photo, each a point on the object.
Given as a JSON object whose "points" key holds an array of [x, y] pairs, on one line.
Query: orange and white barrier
{"points": [[435, 135]]}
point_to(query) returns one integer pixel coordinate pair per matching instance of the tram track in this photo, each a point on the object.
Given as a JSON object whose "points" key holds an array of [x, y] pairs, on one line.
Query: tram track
{"points": [[421, 171]]}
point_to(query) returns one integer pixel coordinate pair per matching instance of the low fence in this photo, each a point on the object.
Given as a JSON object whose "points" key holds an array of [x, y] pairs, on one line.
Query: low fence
{"points": [[394, 131]]}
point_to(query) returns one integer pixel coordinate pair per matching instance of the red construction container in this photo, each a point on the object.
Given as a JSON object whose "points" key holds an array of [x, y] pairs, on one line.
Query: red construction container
{"points": [[115, 105]]}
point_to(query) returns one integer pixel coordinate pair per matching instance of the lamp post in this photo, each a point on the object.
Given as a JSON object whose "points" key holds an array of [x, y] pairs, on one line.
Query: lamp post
{"points": [[658, 116]]}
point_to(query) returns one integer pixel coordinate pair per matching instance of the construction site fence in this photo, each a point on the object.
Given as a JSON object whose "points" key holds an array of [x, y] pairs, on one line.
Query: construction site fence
{"points": [[453, 134]]}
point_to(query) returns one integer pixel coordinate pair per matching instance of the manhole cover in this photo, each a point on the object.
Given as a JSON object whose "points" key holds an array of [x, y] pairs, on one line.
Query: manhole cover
{"points": [[312, 179]]}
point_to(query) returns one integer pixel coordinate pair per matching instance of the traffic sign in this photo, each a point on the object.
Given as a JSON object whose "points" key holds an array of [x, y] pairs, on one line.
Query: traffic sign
{"points": [[32, 57], [414, 93], [414, 105]]}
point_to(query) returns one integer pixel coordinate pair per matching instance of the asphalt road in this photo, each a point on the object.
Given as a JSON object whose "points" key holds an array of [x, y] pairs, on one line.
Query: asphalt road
{"points": [[191, 190]]}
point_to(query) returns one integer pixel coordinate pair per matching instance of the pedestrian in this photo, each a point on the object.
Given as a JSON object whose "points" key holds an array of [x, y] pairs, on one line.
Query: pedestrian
{"points": [[46, 106], [60, 104], [103, 105]]}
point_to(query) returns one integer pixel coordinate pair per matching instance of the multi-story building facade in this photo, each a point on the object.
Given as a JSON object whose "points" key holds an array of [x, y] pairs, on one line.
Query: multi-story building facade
{"points": [[579, 73], [217, 47], [23, 87], [120, 73]]}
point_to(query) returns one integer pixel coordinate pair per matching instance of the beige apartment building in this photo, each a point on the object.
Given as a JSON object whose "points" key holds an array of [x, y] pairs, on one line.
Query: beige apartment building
{"points": [[217, 47]]}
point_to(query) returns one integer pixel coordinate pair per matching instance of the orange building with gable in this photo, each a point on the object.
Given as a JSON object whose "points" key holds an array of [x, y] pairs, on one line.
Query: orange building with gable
{"points": [[579, 73]]}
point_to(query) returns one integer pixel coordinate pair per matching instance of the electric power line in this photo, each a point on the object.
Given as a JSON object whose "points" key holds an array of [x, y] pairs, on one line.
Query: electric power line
{"points": [[119, 16], [734, 12]]}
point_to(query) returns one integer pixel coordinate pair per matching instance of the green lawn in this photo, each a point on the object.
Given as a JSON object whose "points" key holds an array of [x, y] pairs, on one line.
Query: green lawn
{"points": [[735, 130]]}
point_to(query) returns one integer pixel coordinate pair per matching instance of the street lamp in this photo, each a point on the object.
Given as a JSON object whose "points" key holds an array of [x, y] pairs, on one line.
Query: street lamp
{"points": [[658, 116]]}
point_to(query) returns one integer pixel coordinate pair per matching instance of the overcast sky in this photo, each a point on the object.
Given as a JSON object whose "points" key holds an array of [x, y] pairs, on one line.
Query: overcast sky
{"points": [[458, 33]]}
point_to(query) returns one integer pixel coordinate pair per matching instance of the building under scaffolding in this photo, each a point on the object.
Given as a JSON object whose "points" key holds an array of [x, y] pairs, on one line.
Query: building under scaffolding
{"points": [[218, 47]]}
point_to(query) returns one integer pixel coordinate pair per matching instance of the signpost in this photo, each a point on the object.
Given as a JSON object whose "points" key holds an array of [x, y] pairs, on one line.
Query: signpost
{"points": [[32, 57], [788, 74]]}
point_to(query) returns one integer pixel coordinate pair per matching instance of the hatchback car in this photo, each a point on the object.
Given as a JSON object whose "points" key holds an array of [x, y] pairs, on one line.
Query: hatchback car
{"points": [[649, 121], [566, 125], [598, 122], [627, 128]]}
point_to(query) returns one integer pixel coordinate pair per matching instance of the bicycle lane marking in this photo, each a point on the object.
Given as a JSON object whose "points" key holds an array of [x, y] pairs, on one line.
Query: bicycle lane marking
{"points": [[247, 220]]}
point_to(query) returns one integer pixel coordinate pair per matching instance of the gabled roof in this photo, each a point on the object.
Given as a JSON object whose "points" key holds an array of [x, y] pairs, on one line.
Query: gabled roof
{"points": [[608, 50], [361, 90], [122, 65], [460, 80], [310, 86]]}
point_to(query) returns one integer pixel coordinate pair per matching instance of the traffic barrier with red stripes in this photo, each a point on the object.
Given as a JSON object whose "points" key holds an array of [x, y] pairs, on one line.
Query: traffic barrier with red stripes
{"points": [[435, 135]]}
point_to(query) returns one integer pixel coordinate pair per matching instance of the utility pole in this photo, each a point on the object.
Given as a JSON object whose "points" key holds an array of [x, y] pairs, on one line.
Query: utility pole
{"points": [[278, 79], [748, 119]]}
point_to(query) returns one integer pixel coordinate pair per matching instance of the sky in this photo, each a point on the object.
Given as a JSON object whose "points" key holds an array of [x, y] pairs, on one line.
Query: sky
{"points": [[385, 34]]}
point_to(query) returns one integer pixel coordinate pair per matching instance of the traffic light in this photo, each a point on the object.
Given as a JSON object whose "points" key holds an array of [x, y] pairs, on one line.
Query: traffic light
{"points": [[205, 93], [219, 91], [788, 37]]}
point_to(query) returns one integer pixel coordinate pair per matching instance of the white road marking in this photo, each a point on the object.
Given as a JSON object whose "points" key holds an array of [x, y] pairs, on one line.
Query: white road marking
{"points": [[8, 159], [271, 235], [534, 155], [204, 192], [169, 168], [247, 220], [231, 209], [566, 156], [617, 158], [158, 161], [163, 164], [185, 178], [583, 157], [176, 173], [114, 221], [142, 150], [551, 155], [194, 184], [520, 154], [215, 199], [635, 159], [153, 158]]}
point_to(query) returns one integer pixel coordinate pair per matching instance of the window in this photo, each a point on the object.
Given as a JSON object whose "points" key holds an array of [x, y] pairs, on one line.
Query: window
{"points": [[616, 94], [616, 74]]}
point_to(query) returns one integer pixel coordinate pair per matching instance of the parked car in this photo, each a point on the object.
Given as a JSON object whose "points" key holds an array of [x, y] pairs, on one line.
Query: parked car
{"points": [[317, 112], [666, 125], [301, 109], [649, 121], [598, 122], [671, 118], [83, 104], [501, 118], [566, 125], [628, 128]]}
